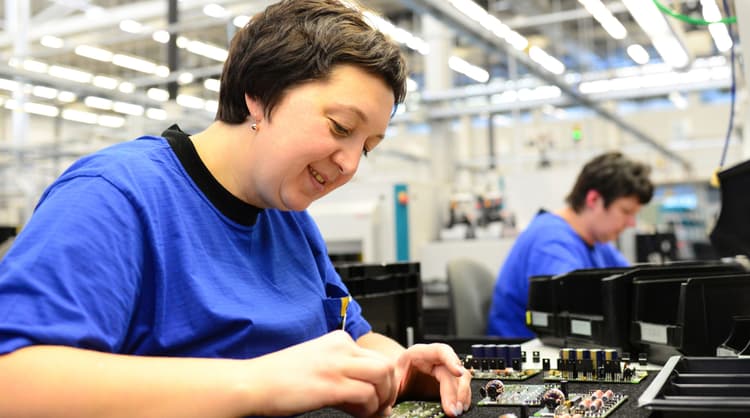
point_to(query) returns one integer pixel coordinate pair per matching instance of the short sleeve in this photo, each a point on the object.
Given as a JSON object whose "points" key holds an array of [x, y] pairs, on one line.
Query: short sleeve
{"points": [[72, 276]]}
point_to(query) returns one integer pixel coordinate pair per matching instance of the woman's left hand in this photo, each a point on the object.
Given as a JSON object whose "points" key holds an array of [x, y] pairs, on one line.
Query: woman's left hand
{"points": [[431, 370]]}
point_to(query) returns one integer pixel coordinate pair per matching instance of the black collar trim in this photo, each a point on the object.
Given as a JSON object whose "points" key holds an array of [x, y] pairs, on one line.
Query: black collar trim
{"points": [[228, 204]]}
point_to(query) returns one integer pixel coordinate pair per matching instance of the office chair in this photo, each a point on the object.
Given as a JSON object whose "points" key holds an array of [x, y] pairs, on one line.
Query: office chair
{"points": [[470, 287]]}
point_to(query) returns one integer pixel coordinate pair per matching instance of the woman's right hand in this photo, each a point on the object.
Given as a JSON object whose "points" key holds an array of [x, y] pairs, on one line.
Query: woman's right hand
{"points": [[329, 371]]}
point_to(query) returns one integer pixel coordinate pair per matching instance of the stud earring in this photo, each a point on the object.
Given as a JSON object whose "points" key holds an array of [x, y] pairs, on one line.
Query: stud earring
{"points": [[254, 126]]}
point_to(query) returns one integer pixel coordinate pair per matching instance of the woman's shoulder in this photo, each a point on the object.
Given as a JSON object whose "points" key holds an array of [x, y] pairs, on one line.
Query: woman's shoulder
{"points": [[129, 159]]}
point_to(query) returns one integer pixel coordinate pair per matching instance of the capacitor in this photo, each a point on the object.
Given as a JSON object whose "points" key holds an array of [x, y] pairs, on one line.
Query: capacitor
{"points": [[553, 397], [494, 388]]}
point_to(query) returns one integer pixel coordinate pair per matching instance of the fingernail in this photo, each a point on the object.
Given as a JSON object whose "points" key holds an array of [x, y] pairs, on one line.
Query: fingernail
{"points": [[458, 409], [466, 407]]}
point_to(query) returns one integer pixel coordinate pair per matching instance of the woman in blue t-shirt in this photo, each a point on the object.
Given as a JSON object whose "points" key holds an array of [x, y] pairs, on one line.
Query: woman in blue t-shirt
{"points": [[180, 275]]}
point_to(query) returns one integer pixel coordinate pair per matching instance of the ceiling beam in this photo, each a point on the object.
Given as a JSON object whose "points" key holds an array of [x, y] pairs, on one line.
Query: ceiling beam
{"points": [[445, 12], [139, 11], [542, 20]]}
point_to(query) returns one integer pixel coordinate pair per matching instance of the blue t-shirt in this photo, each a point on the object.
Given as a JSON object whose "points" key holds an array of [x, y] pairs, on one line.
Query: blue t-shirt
{"points": [[137, 249], [548, 246]]}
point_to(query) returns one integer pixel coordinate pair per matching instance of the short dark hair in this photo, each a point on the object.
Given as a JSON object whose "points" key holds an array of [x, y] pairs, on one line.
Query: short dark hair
{"points": [[297, 41], [613, 176]]}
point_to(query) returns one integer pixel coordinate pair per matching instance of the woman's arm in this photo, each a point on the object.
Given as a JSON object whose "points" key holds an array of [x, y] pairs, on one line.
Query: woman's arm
{"points": [[330, 371]]}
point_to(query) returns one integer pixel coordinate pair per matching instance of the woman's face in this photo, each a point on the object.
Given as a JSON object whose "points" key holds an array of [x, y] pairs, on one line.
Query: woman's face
{"points": [[316, 137]]}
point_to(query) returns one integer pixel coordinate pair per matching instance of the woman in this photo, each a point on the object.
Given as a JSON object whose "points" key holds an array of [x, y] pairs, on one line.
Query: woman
{"points": [[181, 276]]}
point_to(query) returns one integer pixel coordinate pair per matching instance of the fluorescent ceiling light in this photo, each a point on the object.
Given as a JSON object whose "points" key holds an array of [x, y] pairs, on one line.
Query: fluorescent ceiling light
{"points": [[130, 26], [161, 36], [671, 51], [108, 83], [718, 31], [190, 101], [41, 109], [240, 21], [67, 97], [638, 54], [34, 66], [133, 63], [52, 42], [98, 102], [666, 41], [128, 108], [411, 85], [547, 61], [44, 92], [212, 106], [31, 107], [399, 35], [162, 71], [678, 99], [160, 95], [185, 78], [79, 116], [214, 84], [35, 108], [605, 18], [94, 12], [216, 11], [656, 76], [70, 74], [182, 42], [472, 71], [93, 53], [207, 50], [156, 114], [111, 121], [517, 41], [126, 87]]}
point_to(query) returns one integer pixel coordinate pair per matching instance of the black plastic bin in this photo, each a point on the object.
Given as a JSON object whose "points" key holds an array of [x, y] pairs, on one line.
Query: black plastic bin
{"points": [[690, 316], [390, 296], [700, 387]]}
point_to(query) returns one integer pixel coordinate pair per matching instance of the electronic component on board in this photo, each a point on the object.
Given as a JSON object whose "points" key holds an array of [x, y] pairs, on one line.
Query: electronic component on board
{"points": [[553, 397], [422, 409], [594, 365], [492, 389], [496, 367], [595, 404]]}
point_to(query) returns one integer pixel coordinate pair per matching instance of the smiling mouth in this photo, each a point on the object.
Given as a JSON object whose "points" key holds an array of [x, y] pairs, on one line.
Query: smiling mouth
{"points": [[317, 176]]}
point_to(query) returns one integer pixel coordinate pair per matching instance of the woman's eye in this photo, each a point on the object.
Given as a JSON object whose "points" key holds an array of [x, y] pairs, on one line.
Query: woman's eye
{"points": [[338, 129]]}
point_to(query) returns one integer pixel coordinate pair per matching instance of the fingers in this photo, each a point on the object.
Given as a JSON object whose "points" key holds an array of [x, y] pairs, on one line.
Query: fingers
{"points": [[455, 393], [379, 372], [426, 356], [453, 381], [376, 370], [361, 400], [342, 375]]}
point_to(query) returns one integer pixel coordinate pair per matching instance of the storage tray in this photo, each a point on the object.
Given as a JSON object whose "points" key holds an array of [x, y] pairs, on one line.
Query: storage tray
{"points": [[696, 386]]}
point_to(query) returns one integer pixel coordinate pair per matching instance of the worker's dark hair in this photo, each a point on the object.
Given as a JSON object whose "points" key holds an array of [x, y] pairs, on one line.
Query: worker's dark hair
{"points": [[298, 41], [613, 176]]}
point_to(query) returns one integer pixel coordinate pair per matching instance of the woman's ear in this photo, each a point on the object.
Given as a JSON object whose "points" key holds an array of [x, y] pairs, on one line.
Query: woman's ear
{"points": [[255, 109]]}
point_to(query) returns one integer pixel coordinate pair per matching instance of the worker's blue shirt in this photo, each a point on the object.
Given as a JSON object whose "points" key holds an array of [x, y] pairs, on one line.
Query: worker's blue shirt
{"points": [[137, 249], [548, 246]]}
